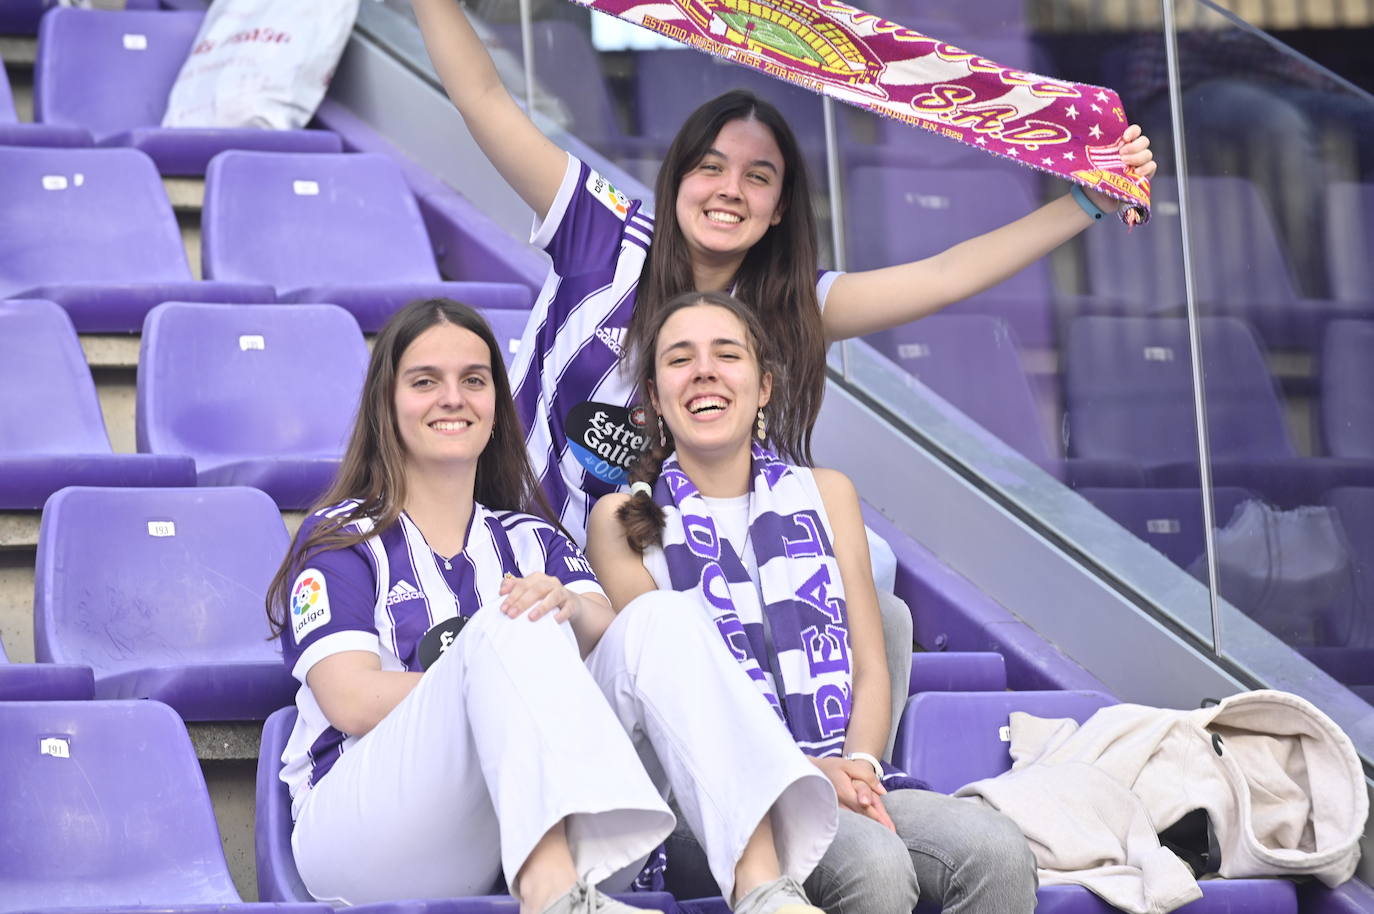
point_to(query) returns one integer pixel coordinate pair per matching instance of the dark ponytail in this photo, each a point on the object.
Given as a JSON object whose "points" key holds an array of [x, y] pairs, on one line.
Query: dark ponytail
{"points": [[640, 515]]}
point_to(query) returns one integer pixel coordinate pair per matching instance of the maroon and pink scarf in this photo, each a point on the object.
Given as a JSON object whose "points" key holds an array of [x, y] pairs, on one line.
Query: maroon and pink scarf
{"points": [[1064, 128]]}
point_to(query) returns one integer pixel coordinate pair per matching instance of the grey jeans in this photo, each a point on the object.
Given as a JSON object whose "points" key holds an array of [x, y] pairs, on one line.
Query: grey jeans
{"points": [[964, 856]]}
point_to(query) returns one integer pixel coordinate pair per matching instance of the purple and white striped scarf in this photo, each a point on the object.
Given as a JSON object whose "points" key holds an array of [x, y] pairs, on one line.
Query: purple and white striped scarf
{"points": [[798, 591]]}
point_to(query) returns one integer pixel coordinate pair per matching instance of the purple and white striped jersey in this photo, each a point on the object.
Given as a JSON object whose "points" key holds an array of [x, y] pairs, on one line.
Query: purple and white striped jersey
{"points": [[584, 429], [385, 593]]}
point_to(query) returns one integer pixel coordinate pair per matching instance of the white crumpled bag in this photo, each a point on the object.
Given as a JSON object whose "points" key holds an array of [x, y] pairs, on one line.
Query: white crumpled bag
{"points": [[260, 63]]}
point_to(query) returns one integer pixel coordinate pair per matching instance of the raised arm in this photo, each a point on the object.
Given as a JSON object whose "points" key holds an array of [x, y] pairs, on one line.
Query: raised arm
{"points": [[529, 161], [873, 300]]}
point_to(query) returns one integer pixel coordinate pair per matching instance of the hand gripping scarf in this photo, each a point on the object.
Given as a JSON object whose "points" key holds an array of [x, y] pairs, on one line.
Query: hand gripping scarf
{"points": [[798, 592], [1064, 128]]}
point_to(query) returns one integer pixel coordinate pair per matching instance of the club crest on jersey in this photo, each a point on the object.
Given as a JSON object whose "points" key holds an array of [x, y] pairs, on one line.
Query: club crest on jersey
{"points": [[604, 191], [309, 603]]}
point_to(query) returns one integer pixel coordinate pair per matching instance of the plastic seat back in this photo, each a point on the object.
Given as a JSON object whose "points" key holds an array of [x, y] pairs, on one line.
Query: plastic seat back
{"points": [[1347, 378], [48, 402], [1129, 391], [295, 220], [972, 361], [97, 215], [161, 592], [949, 739], [108, 70], [103, 803], [232, 382]]}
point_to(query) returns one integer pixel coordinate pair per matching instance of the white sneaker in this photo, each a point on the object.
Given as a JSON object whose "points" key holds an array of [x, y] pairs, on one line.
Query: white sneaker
{"points": [[781, 896], [585, 899]]}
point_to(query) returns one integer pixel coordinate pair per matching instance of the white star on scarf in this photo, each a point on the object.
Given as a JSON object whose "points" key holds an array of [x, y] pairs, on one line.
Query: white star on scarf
{"points": [[981, 141], [1047, 160], [1095, 108], [1013, 151], [1072, 112], [1100, 96], [1068, 156], [1095, 132]]}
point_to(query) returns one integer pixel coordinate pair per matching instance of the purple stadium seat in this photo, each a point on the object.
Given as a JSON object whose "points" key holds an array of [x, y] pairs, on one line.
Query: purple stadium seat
{"points": [[259, 395], [44, 681], [161, 592], [974, 363], [52, 433], [103, 806], [895, 215], [949, 739], [1170, 520], [1129, 396], [1239, 264], [343, 229], [111, 72], [1350, 240], [1347, 379], [957, 671], [22, 17], [279, 880], [100, 238]]}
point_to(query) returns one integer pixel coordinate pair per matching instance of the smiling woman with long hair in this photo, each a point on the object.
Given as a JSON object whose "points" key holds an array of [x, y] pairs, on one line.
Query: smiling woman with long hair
{"points": [[449, 730], [774, 554], [735, 214]]}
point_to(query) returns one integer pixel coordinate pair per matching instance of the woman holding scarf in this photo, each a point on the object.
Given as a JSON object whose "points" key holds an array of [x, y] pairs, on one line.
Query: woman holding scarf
{"points": [[775, 555]]}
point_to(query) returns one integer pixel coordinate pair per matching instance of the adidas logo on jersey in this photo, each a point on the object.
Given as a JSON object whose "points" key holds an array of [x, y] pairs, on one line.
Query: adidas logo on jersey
{"points": [[402, 591], [613, 337]]}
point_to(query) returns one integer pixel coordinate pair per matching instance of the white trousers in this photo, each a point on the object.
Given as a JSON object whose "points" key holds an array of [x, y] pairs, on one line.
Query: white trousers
{"points": [[706, 735], [502, 738], [510, 733]]}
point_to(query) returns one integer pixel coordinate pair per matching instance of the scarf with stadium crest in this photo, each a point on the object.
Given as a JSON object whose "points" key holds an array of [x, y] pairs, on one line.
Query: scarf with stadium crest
{"points": [[1064, 128]]}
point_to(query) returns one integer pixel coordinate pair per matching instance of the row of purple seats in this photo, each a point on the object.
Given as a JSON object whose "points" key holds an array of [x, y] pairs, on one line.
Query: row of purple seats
{"points": [[1240, 266], [210, 403], [103, 242], [1347, 377], [110, 73], [1129, 397], [52, 432]]}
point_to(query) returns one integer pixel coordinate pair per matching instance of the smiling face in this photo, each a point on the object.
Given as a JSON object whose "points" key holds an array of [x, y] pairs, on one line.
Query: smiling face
{"points": [[445, 398], [729, 199], [708, 386]]}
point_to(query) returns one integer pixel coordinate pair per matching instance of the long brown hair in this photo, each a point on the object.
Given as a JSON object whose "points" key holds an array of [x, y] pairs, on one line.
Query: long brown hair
{"points": [[777, 278], [373, 466], [640, 515]]}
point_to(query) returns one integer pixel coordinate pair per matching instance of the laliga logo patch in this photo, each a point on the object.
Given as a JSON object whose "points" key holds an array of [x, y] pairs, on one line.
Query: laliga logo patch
{"points": [[309, 603], [438, 640], [604, 191], [606, 439]]}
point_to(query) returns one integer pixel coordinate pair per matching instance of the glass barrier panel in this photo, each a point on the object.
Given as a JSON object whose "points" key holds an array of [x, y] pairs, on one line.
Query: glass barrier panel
{"points": [[1278, 194], [1050, 364]]}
